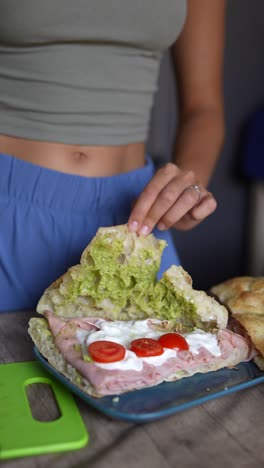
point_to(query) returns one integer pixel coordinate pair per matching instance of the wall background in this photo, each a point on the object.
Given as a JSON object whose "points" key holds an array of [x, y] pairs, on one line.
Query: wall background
{"points": [[217, 249]]}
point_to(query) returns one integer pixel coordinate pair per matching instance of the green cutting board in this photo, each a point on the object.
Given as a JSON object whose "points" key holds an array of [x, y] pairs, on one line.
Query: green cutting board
{"points": [[20, 433]]}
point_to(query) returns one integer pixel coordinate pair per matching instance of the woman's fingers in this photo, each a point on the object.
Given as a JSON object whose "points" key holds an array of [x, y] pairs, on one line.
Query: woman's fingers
{"points": [[173, 202], [187, 200], [198, 213], [172, 198], [159, 196]]}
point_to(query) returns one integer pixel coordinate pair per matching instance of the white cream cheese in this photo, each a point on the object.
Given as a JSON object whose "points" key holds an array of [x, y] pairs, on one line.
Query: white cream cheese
{"points": [[123, 332], [200, 338]]}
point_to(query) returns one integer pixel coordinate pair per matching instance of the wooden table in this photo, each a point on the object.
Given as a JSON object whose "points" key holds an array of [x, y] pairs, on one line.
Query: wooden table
{"points": [[227, 432]]}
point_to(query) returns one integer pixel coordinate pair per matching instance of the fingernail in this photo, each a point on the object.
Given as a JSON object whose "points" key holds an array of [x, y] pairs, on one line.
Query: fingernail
{"points": [[133, 226], [144, 230], [161, 227]]}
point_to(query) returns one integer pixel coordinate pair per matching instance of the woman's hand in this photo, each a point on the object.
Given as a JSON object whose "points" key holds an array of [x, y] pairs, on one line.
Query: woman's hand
{"points": [[173, 198]]}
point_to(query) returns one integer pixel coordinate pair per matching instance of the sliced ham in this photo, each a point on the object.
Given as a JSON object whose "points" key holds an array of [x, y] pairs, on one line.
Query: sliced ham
{"points": [[57, 323], [115, 381]]}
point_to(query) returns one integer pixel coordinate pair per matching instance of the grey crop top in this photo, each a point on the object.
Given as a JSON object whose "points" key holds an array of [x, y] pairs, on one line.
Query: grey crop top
{"points": [[83, 71]]}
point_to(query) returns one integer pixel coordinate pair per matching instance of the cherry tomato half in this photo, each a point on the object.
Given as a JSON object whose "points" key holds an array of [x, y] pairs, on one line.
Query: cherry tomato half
{"points": [[146, 347], [173, 340], [106, 351]]}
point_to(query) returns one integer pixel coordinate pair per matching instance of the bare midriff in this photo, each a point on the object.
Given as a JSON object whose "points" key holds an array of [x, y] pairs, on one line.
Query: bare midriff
{"points": [[88, 161]]}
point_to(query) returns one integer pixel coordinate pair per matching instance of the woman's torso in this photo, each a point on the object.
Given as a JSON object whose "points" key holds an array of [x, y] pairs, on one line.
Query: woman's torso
{"points": [[77, 80], [92, 161]]}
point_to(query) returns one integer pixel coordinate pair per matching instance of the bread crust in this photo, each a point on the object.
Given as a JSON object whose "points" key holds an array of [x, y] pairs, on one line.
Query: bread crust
{"points": [[208, 309], [244, 298]]}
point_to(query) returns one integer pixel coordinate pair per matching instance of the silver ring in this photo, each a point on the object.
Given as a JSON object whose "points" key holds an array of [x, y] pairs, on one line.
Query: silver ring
{"points": [[197, 188]]}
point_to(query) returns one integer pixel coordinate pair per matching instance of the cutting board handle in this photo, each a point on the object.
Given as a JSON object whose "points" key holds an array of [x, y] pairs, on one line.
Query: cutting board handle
{"points": [[20, 433]]}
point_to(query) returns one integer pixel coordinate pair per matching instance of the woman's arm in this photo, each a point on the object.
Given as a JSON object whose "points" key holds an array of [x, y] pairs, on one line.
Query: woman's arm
{"points": [[198, 57]]}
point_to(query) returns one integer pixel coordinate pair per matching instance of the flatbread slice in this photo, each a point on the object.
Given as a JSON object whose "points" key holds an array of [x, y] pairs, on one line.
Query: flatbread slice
{"points": [[244, 297], [117, 279], [111, 266]]}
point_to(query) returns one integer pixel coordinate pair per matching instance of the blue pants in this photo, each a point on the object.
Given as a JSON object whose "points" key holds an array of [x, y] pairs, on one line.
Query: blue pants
{"points": [[47, 218]]}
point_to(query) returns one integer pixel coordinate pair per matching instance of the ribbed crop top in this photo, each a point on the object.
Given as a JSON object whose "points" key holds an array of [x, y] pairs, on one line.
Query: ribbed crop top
{"points": [[83, 71]]}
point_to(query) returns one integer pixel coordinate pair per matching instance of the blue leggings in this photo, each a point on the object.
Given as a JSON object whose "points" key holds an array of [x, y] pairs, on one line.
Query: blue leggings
{"points": [[47, 218]]}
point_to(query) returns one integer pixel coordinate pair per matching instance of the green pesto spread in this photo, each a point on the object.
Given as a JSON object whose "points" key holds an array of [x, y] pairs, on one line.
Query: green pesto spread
{"points": [[127, 280]]}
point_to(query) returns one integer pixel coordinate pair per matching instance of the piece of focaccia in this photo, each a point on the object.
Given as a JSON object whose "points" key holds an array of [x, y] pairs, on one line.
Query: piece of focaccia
{"points": [[115, 263], [244, 297], [116, 280]]}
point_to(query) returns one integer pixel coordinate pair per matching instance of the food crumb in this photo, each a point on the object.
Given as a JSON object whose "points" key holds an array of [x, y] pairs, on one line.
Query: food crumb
{"points": [[115, 400], [207, 389]]}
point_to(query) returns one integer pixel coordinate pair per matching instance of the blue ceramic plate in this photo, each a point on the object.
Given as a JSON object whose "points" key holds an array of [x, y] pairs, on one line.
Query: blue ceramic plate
{"points": [[167, 398]]}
